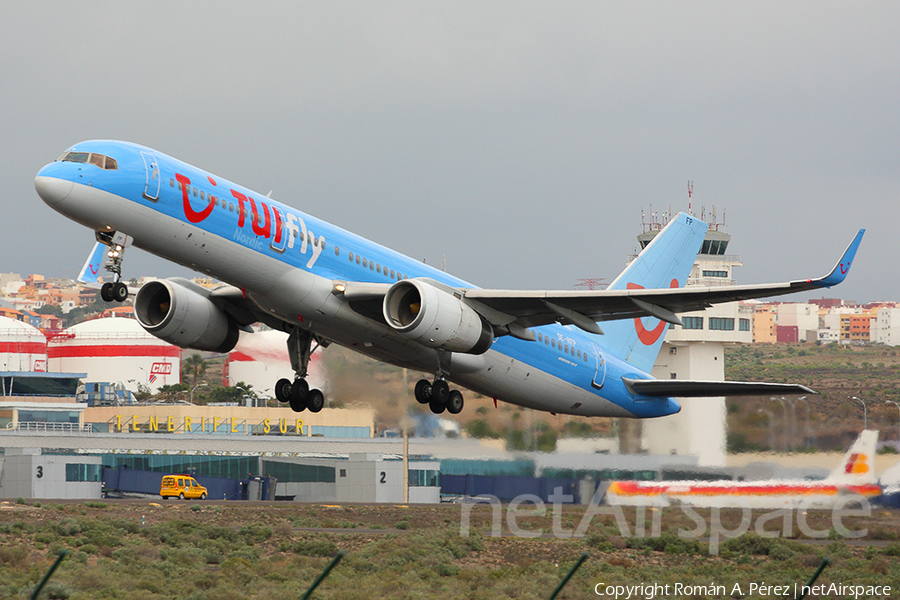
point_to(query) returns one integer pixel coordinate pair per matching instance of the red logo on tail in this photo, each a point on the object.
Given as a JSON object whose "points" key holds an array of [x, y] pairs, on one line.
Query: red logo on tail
{"points": [[649, 337]]}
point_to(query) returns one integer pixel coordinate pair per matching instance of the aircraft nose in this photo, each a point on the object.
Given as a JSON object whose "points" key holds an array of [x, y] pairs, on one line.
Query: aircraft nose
{"points": [[53, 185]]}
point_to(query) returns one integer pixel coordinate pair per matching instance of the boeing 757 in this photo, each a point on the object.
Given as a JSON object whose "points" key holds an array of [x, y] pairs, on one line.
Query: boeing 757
{"points": [[321, 284]]}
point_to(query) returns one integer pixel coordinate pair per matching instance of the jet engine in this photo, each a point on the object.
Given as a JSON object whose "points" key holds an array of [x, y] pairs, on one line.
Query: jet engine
{"points": [[436, 318], [182, 316]]}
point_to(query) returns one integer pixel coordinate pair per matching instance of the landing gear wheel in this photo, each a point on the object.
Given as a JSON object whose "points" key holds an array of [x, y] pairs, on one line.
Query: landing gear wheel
{"points": [[440, 391], [106, 292], [297, 405], [436, 407], [455, 402], [119, 292], [315, 400], [283, 390], [299, 390], [423, 391]]}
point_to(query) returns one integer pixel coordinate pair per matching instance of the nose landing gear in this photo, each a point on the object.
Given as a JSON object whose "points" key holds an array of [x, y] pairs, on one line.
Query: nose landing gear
{"points": [[114, 291]]}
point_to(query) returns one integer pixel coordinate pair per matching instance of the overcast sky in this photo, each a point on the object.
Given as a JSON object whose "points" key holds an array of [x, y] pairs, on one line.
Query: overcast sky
{"points": [[519, 140]]}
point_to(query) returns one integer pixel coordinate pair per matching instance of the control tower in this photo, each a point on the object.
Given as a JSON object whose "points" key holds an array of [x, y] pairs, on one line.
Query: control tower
{"points": [[695, 351]]}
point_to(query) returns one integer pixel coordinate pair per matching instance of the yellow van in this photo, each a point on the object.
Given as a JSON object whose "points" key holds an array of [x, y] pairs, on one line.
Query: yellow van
{"points": [[181, 486]]}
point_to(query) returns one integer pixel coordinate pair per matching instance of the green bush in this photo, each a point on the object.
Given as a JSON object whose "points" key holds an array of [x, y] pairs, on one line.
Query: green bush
{"points": [[320, 547], [68, 526], [10, 555]]}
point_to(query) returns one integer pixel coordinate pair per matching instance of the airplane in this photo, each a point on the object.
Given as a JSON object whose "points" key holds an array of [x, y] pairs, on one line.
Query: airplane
{"points": [[321, 284], [854, 475]]}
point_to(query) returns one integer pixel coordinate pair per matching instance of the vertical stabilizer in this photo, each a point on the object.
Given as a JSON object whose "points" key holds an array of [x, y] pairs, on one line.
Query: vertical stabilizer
{"points": [[666, 262], [858, 465], [90, 272]]}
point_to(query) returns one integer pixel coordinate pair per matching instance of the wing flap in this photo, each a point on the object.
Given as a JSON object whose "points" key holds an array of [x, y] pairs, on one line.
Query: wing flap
{"points": [[686, 388]]}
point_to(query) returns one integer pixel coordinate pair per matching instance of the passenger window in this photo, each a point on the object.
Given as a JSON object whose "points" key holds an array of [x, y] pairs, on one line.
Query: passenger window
{"points": [[553, 343], [546, 340], [202, 196], [378, 269], [567, 349], [365, 263], [230, 207], [392, 273], [371, 266], [357, 259], [350, 256], [171, 182], [337, 251]]}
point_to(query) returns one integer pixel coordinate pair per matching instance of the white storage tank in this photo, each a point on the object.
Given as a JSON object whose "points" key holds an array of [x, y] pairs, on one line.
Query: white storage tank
{"points": [[261, 358], [117, 350], [22, 346]]}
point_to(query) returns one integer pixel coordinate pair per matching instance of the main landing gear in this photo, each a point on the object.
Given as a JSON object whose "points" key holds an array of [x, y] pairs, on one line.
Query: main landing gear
{"points": [[438, 396], [114, 291], [297, 393]]}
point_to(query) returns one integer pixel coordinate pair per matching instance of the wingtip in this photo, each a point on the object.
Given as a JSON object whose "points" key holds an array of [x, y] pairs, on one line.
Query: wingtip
{"points": [[842, 268]]}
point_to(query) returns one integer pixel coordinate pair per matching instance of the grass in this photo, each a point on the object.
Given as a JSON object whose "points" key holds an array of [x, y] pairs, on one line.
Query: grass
{"points": [[241, 551]]}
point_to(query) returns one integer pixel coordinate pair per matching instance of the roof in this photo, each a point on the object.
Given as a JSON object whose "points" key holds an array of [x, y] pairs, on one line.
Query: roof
{"points": [[8, 325], [110, 325]]}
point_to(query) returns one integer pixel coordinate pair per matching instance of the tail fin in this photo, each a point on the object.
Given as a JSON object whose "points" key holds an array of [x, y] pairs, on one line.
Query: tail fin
{"points": [[90, 272], [858, 465], [665, 262]]}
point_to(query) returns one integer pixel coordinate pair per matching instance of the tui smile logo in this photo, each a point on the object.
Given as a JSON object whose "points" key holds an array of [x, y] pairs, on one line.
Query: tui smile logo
{"points": [[649, 337]]}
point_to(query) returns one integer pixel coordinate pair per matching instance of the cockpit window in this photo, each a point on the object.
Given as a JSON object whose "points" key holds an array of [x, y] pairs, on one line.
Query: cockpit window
{"points": [[99, 160], [79, 157]]}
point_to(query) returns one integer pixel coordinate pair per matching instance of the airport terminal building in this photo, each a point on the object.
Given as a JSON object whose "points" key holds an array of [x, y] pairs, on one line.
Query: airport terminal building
{"points": [[57, 447]]}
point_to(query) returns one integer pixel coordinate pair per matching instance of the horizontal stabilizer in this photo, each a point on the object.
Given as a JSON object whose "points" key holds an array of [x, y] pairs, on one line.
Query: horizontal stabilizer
{"points": [[686, 388]]}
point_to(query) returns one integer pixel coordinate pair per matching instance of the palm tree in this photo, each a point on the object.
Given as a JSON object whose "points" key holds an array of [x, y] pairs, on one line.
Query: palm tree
{"points": [[195, 366]]}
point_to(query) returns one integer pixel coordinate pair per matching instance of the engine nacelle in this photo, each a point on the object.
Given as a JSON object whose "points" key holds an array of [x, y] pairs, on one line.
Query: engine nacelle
{"points": [[184, 317], [435, 318]]}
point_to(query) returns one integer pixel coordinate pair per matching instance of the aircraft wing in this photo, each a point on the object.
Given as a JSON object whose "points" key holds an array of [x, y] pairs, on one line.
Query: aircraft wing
{"points": [[686, 388], [585, 308]]}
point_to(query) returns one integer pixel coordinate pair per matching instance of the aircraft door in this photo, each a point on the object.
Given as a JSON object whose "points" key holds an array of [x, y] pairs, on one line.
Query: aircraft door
{"points": [[600, 373], [151, 167], [280, 231]]}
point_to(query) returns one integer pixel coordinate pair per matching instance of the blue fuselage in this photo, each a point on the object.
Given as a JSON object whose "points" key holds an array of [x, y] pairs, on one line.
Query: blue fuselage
{"points": [[287, 261]]}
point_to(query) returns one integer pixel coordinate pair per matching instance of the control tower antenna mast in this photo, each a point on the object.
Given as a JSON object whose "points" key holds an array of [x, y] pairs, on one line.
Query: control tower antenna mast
{"points": [[690, 195]]}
